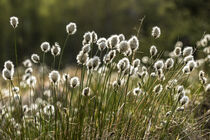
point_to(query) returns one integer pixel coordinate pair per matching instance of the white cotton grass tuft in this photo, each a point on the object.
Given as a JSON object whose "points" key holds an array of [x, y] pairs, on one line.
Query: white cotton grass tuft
{"points": [[108, 58], [8, 70], [94, 37], [87, 38], [101, 42], [71, 28], [133, 43], [156, 32], [96, 62], [74, 82], [207, 88], [187, 51], [121, 37], [192, 64], [93, 63], [54, 77], [136, 63], [7, 74], [9, 65], [86, 48], [202, 77], [186, 69], [177, 51], [31, 81], [16, 89], [188, 58], [27, 63], [28, 71], [86, 91], [159, 64], [137, 91], [179, 44], [153, 50], [49, 109], [158, 89], [184, 100], [82, 58], [14, 21], [123, 47], [45, 47], [65, 77], [56, 49], [169, 63], [123, 64], [113, 41], [35, 58]]}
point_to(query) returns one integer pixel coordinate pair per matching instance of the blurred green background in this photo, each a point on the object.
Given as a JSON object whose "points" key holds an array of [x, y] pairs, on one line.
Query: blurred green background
{"points": [[45, 20]]}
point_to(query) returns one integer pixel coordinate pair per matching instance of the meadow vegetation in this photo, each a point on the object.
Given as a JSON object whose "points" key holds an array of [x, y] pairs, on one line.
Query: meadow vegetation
{"points": [[113, 93]]}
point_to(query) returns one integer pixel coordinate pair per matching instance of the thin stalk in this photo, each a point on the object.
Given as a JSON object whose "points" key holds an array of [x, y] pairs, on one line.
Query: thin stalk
{"points": [[62, 51], [16, 58]]}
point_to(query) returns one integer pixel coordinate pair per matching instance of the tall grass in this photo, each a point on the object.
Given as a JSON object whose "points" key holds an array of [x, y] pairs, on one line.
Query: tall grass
{"points": [[110, 96]]}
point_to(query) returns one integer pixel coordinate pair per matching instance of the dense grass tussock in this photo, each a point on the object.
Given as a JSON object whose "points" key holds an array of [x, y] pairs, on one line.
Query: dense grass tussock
{"points": [[112, 94]]}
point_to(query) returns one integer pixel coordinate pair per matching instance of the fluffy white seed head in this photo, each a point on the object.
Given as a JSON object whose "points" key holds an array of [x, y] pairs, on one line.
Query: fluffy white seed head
{"points": [[15, 89], [156, 32], [86, 91], [9, 65], [96, 62], [187, 51], [108, 58], [180, 89], [136, 63], [177, 51], [94, 36], [153, 50], [87, 38], [7, 74], [128, 53], [82, 58], [45, 47], [159, 64], [86, 48], [71, 28], [188, 58], [35, 58], [123, 64], [121, 37], [113, 41], [123, 47], [207, 88], [28, 71], [31, 81], [54, 77], [65, 77], [137, 91], [49, 109], [201, 74], [186, 69], [27, 63], [169, 63], [100, 40], [14, 22], [204, 42], [191, 64], [158, 89], [133, 43], [74, 82], [56, 49], [184, 100], [93, 63], [179, 44]]}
